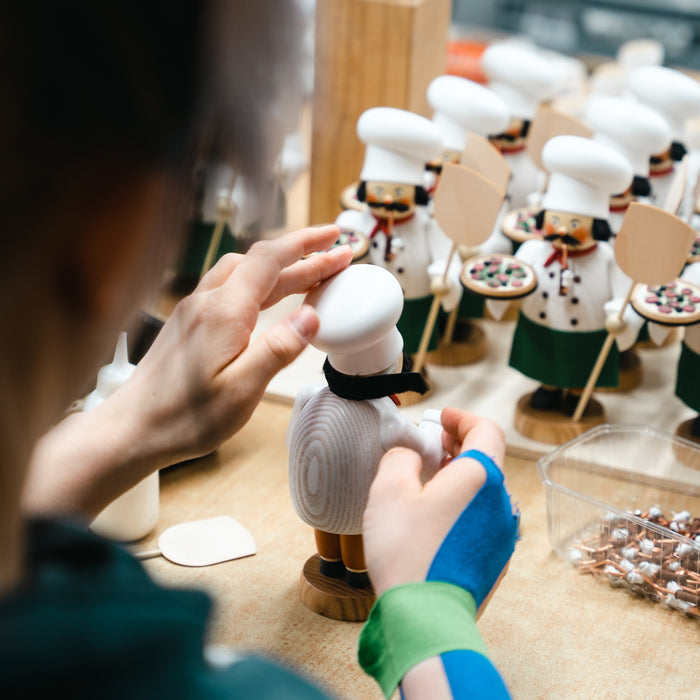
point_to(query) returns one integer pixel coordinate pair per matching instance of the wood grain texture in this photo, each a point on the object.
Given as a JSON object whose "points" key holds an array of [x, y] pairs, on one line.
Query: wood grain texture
{"points": [[630, 375], [460, 352], [334, 452], [596, 642], [369, 53], [331, 597], [553, 427]]}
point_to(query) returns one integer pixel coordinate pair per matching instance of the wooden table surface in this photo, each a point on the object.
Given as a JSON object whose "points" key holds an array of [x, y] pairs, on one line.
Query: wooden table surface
{"points": [[552, 632]]}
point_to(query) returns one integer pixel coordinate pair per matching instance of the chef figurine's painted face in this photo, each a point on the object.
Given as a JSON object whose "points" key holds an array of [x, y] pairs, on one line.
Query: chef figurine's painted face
{"points": [[572, 229], [389, 199], [661, 163], [513, 139], [620, 202]]}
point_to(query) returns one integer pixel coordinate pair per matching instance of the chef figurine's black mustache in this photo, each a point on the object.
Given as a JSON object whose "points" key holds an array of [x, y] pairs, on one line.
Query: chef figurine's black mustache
{"points": [[564, 238], [394, 206]]}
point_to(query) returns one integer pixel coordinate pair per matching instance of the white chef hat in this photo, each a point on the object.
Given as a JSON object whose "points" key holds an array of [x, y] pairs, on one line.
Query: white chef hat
{"points": [[583, 176], [572, 72], [398, 145], [462, 106], [633, 129], [674, 94], [520, 76], [640, 52], [358, 309]]}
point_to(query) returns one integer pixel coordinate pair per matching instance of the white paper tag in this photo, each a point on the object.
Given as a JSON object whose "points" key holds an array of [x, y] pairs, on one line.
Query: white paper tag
{"points": [[206, 542]]}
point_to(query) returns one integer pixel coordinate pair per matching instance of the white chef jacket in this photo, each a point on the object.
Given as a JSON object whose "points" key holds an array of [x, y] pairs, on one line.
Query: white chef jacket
{"points": [[421, 250]]}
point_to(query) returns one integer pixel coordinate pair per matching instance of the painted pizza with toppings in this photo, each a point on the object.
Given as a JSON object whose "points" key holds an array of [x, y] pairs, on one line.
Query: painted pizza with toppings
{"points": [[519, 224], [674, 304], [498, 277], [349, 200], [694, 255], [359, 244]]}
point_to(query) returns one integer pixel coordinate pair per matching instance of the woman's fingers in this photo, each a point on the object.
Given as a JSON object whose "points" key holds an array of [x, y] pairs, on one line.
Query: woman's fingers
{"points": [[304, 274], [218, 274], [274, 350], [398, 476], [256, 275], [465, 431]]}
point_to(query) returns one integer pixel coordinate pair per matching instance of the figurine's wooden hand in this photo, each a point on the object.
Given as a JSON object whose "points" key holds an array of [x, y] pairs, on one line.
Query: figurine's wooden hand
{"points": [[406, 522]]}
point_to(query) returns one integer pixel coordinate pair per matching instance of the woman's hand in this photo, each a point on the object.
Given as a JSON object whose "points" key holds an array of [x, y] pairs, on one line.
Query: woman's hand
{"points": [[197, 385], [405, 523], [202, 377]]}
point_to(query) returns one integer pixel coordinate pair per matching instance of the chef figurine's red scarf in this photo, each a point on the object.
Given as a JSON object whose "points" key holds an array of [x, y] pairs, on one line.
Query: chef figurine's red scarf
{"points": [[557, 254], [386, 227]]}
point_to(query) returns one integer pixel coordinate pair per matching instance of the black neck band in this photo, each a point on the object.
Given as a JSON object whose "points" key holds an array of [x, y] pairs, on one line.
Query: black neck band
{"points": [[356, 388]]}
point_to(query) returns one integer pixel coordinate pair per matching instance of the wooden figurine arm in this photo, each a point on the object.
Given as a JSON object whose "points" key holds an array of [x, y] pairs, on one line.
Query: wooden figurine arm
{"points": [[396, 430], [446, 287]]}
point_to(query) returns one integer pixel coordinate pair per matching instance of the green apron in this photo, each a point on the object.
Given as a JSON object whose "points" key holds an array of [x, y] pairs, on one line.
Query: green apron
{"points": [[560, 358], [688, 378], [412, 322]]}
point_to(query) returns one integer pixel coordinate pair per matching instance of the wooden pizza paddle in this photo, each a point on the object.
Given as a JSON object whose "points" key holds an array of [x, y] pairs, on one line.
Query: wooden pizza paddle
{"points": [[547, 124], [466, 207], [484, 158], [675, 195], [644, 229]]}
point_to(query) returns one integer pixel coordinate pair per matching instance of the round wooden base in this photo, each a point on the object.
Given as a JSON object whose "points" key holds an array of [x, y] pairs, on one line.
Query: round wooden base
{"points": [[630, 376], [553, 427], [331, 597], [460, 352], [683, 430]]}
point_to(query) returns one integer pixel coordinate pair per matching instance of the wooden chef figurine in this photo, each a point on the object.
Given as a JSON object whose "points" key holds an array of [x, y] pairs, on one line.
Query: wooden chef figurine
{"points": [[562, 324], [404, 238], [524, 80], [338, 432], [687, 387], [635, 131], [462, 107], [688, 372], [676, 97]]}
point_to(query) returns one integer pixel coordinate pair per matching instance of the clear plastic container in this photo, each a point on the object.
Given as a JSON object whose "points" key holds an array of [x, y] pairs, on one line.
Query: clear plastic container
{"points": [[623, 502]]}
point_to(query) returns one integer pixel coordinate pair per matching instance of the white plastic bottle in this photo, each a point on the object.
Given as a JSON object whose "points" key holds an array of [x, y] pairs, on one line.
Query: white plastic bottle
{"points": [[135, 513]]}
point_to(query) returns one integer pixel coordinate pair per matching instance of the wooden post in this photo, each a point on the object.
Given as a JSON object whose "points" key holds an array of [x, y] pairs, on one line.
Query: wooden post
{"points": [[432, 318], [602, 356], [369, 53]]}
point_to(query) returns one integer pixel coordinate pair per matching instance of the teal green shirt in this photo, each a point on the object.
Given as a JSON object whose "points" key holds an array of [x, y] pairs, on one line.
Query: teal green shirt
{"points": [[88, 622]]}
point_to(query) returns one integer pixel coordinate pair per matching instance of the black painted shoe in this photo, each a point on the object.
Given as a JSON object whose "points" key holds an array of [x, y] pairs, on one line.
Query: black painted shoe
{"points": [[332, 569], [571, 404], [695, 427], [544, 399], [357, 579]]}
